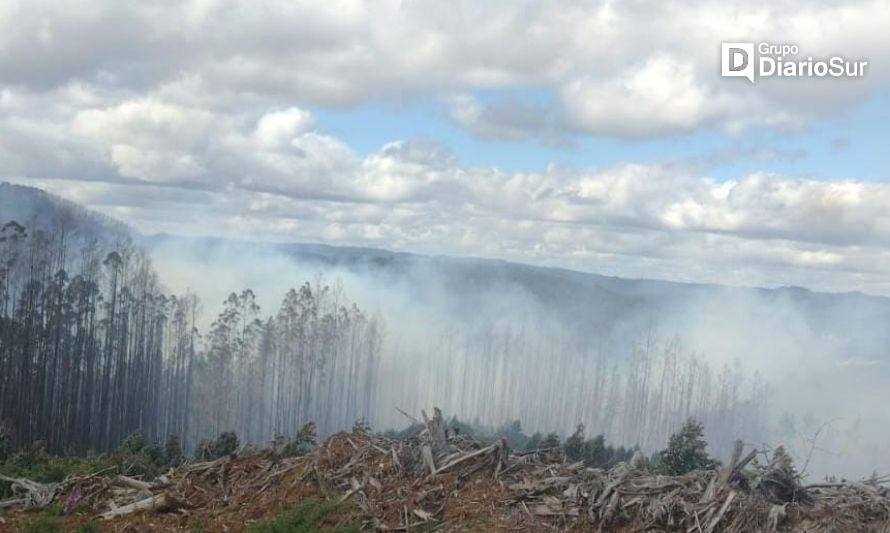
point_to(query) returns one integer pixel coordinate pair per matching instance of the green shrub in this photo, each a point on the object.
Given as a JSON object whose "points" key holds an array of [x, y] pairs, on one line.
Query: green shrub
{"points": [[301, 444], [134, 457], [686, 451], [134, 443], [594, 452], [173, 450], [550, 441], [5, 442], [226, 444], [361, 426], [306, 518], [140, 458], [37, 465]]}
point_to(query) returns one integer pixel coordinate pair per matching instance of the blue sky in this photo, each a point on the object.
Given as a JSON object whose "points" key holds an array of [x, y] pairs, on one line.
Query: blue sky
{"points": [[847, 145]]}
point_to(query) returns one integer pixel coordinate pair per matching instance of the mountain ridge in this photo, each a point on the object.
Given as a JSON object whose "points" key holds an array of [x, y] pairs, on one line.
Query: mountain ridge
{"points": [[593, 302]]}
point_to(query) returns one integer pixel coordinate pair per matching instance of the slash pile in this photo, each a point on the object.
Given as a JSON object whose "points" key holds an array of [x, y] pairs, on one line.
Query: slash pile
{"points": [[439, 480]]}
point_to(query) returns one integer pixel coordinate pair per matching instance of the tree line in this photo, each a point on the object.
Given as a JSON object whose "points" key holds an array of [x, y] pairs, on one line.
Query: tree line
{"points": [[552, 379], [92, 348]]}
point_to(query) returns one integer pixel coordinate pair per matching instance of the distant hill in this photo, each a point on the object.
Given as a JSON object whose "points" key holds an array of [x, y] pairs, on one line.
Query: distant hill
{"points": [[35, 208], [738, 320], [553, 286]]}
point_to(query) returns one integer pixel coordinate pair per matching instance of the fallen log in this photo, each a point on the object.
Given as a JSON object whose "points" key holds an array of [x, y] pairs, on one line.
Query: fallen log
{"points": [[158, 502], [34, 495], [126, 481]]}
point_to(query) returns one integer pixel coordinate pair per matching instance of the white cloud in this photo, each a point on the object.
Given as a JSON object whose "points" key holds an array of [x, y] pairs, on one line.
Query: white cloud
{"points": [[271, 173], [621, 68], [150, 165], [194, 116], [659, 97], [282, 127]]}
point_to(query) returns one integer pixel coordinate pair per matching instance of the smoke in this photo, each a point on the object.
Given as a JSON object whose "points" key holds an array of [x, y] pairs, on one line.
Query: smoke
{"points": [[823, 356], [492, 342]]}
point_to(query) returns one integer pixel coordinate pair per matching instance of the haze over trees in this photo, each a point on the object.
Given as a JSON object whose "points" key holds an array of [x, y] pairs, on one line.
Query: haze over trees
{"points": [[92, 348], [548, 379]]}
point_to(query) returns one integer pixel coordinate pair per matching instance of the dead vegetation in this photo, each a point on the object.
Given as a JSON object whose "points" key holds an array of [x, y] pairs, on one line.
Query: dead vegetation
{"points": [[438, 480]]}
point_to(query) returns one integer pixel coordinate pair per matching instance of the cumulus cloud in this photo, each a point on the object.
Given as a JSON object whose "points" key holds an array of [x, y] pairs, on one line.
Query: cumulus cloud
{"points": [[626, 69], [168, 165], [502, 120], [197, 117], [660, 96]]}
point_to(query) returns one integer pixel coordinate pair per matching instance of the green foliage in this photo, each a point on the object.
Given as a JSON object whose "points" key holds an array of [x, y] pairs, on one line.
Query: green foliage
{"points": [[574, 446], [134, 457], [361, 426], [44, 523], [173, 450], [139, 457], [226, 444], [458, 427], [594, 452], [512, 433], [134, 443], [306, 518], [402, 434], [89, 527], [550, 441], [301, 444], [539, 442], [54, 509], [5, 442], [686, 451], [36, 464], [534, 442]]}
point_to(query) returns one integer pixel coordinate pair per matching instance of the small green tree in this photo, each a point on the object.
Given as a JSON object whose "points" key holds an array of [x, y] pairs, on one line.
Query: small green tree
{"points": [[574, 446], [301, 444], [512, 433], [596, 453], [5, 442], [361, 426], [686, 451], [550, 441], [173, 450], [534, 442], [134, 443], [226, 444]]}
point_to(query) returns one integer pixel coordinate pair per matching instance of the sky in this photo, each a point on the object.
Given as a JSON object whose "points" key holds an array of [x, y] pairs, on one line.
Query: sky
{"points": [[592, 135]]}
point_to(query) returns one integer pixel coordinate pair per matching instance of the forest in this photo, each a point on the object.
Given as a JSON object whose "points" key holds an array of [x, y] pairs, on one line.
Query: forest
{"points": [[93, 348]]}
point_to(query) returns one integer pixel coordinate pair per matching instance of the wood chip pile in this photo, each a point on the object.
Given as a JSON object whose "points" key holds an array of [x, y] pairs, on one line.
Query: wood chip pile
{"points": [[451, 482]]}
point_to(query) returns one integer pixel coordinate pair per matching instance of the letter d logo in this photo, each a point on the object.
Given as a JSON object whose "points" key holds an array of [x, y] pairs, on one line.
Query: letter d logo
{"points": [[737, 60]]}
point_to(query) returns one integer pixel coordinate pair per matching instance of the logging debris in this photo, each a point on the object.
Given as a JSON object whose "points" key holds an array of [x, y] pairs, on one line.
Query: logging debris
{"points": [[445, 481]]}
